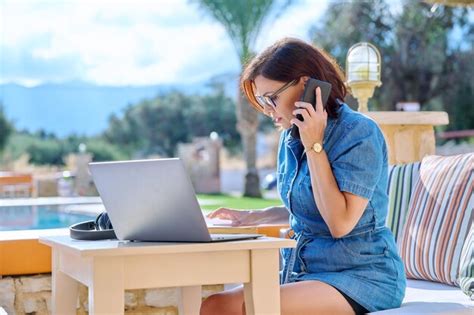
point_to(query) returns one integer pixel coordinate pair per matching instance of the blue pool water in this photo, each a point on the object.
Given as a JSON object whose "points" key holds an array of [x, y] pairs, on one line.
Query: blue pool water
{"points": [[38, 217]]}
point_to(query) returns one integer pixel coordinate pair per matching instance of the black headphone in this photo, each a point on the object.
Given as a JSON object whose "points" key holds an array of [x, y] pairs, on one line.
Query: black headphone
{"points": [[99, 229]]}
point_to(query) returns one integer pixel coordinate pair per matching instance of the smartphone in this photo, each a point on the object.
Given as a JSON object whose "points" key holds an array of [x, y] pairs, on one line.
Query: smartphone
{"points": [[309, 96]]}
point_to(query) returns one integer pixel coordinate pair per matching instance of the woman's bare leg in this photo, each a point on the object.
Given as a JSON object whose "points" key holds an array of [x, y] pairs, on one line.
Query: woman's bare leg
{"points": [[303, 297], [312, 297], [226, 302]]}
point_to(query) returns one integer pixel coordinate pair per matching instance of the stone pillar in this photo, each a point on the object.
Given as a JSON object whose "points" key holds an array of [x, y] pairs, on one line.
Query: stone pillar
{"points": [[84, 184], [409, 135], [202, 161], [78, 165]]}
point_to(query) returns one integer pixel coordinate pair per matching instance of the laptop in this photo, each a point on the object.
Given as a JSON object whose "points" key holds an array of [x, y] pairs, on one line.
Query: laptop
{"points": [[153, 200]]}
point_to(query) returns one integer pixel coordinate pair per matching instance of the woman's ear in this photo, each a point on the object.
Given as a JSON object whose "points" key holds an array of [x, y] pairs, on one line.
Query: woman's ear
{"points": [[303, 81]]}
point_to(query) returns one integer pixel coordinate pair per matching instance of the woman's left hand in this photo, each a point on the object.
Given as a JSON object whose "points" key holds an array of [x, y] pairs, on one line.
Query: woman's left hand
{"points": [[315, 121]]}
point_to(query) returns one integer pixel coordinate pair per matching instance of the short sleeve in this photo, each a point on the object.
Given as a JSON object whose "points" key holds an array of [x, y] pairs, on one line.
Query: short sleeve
{"points": [[358, 159]]}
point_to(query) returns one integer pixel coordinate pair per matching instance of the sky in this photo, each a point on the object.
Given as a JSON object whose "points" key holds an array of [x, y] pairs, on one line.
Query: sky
{"points": [[126, 42]]}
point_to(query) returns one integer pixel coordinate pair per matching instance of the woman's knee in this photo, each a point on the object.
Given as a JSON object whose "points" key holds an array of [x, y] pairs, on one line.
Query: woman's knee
{"points": [[222, 303], [210, 305]]}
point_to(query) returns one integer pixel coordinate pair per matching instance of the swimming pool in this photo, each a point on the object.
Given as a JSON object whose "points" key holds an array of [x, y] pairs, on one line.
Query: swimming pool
{"points": [[39, 217]]}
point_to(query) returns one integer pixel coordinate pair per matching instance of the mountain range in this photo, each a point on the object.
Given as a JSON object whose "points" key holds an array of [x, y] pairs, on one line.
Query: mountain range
{"points": [[82, 108]]}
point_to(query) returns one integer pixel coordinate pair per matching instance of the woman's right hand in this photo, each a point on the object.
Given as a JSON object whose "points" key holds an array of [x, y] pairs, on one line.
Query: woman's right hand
{"points": [[237, 217]]}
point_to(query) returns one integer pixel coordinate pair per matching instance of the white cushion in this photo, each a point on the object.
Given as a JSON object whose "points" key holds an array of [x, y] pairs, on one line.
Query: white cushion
{"points": [[426, 297]]}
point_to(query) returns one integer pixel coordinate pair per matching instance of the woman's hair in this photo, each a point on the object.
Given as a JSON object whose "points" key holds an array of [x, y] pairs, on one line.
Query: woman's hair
{"points": [[289, 59]]}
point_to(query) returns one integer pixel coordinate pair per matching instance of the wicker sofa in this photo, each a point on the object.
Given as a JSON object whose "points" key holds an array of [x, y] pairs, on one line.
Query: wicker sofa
{"points": [[428, 292]]}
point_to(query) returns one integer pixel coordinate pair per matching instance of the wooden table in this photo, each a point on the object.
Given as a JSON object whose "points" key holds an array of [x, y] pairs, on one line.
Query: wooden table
{"points": [[109, 267], [273, 230]]}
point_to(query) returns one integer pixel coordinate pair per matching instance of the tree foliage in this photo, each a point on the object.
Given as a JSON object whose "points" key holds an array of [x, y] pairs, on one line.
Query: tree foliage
{"points": [[421, 60]]}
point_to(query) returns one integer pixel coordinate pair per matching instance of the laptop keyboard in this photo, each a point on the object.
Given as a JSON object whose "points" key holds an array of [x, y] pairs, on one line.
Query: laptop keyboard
{"points": [[230, 236]]}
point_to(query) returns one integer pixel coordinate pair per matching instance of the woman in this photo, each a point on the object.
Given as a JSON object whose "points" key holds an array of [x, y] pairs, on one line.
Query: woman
{"points": [[335, 199]]}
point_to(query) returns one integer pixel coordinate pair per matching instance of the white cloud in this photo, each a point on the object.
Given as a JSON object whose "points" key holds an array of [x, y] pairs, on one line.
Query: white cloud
{"points": [[130, 42], [294, 22]]}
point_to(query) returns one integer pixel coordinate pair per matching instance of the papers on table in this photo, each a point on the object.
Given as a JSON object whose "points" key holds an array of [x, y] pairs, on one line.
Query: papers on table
{"points": [[219, 222]]}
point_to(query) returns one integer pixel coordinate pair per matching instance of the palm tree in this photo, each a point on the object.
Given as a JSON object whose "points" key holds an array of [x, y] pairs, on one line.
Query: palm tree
{"points": [[5, 128], [243, 21]]}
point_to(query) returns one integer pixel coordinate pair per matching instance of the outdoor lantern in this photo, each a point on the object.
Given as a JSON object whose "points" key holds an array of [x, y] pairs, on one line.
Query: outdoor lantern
{"points": [[363, 65]]}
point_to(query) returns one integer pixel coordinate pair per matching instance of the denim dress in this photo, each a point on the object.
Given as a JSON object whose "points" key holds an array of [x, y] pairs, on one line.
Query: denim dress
{"points": [[363, 264]]}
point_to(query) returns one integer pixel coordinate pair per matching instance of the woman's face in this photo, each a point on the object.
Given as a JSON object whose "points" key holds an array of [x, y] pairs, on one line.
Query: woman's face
{"points": [[285, 101]]}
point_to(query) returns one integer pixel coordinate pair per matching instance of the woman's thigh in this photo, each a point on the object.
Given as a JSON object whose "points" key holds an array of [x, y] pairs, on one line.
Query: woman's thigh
{"points": [[303, 297]]}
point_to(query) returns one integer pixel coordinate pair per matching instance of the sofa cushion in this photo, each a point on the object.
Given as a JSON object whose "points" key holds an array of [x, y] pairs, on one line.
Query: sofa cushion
{"points": [[425, 297], [466, 266], [439, 218], [401, 181]]}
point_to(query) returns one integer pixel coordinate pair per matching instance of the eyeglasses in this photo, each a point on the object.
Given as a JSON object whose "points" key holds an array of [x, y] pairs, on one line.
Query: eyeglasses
{"points": [[269, 100]]}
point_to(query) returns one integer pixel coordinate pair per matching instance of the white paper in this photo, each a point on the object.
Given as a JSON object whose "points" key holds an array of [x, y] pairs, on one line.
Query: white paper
{"points": [[217, 221]]}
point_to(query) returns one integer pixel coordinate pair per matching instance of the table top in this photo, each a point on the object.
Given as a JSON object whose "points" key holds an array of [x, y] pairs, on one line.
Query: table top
{"points": [[124, 248]]}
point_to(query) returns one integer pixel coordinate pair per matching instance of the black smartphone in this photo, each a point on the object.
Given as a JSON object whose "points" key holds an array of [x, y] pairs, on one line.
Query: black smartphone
{"points": [[309, 96]]}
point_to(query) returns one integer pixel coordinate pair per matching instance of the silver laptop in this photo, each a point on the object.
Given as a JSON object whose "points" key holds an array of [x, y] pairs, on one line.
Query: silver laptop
{"points": [[153, 200]]}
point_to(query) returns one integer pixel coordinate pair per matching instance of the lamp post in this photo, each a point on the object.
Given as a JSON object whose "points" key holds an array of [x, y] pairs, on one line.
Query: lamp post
{"points": [[363, 67], [409, 135]]}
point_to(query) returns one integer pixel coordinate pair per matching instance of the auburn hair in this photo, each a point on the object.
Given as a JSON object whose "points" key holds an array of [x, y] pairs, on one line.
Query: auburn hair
{"points": [[289, 59]]}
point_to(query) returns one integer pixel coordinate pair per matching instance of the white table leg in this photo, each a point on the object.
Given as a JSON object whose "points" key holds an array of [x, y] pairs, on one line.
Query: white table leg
{"points": [[262, 293], [190, 300], [65, 289], [106, 292]]}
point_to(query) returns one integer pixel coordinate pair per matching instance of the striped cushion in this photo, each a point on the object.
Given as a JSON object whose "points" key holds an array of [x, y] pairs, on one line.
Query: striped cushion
{"points": [[466, 267], [439, 217], [401, 181]]}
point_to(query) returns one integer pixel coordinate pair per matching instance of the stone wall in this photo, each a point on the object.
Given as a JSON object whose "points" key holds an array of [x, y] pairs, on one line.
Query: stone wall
{"points": [[32, 295]]}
